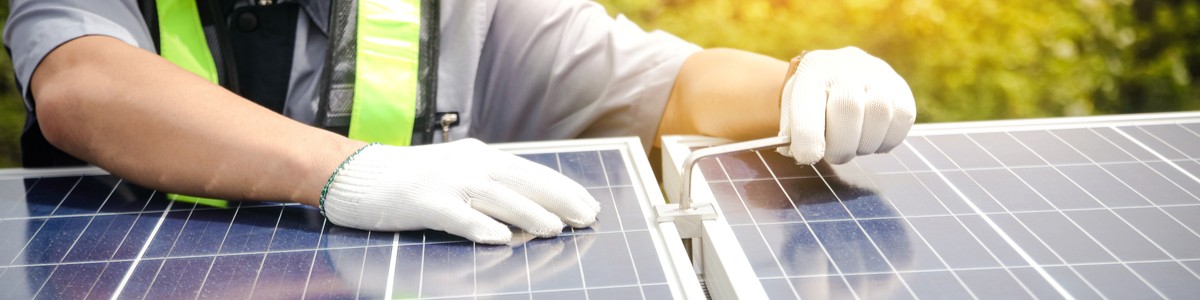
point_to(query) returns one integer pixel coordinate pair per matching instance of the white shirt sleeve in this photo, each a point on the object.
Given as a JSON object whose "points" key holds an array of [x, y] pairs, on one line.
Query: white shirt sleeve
{"points": [[35, 27], [566, 69]]}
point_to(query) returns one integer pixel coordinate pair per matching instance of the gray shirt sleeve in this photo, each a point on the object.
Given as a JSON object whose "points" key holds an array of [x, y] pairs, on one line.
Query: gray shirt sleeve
{"points": [[36, 27], [566, 69]]}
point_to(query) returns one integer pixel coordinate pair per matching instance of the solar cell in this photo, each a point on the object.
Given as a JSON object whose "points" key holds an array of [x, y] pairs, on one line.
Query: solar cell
{"points": [[1080, 208], [98, 236]]}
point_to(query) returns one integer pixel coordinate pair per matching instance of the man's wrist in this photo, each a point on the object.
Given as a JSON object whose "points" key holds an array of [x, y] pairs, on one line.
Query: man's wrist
{"points": [[329, 182], [321, 159]]}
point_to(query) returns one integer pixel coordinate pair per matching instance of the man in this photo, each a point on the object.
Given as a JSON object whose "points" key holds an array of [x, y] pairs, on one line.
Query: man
{"points": [[512, 70]]}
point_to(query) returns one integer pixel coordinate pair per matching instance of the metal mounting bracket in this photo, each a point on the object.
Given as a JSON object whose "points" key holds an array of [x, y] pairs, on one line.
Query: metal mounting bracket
{"points": [[688, 221], [689, 216]]}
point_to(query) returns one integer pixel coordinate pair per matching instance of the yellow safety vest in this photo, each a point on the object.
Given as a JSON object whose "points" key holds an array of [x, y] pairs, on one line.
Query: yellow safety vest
{"points": [[387, 49]]}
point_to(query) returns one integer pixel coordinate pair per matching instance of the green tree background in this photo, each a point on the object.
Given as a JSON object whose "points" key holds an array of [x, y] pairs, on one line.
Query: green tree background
{"points": [[974, 59], [964, 59]]}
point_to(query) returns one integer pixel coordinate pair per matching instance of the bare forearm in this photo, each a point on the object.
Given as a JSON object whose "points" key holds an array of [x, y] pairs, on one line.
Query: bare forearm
{"points": [[726, 93], [141, 118]]}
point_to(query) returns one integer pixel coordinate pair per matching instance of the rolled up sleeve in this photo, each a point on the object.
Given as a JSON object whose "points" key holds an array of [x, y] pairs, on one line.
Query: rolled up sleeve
{"points": [[36, 27], [566, 69]]}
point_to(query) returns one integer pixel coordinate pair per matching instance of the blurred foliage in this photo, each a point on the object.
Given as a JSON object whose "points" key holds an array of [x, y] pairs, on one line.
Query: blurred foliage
{"points": [[12, 109], [965, 59], [973, 59]]}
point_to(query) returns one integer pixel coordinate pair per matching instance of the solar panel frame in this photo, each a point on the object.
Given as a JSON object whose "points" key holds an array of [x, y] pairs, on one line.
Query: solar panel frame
{"points": [[676, 149], [138, 266]]}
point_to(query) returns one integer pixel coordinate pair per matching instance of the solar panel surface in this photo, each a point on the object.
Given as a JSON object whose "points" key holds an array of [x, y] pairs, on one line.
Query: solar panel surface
{"points": [[1086, 211], [97, 236], [1089, 211]]}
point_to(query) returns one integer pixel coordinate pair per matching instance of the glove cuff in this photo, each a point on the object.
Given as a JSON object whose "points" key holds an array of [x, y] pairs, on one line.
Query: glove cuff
{"points": [[793, 64], [325, 190]]}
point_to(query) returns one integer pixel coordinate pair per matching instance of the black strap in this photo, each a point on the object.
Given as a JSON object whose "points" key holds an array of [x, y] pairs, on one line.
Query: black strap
{"points": [[263, 39], [336, 86], [425, 122], [216, 32], [149, 9], [337, 78]]}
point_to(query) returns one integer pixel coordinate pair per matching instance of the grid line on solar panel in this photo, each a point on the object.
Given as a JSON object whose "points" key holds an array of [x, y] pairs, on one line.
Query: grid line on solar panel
{"points": [[138, 258], [1158, 172], [1090, 235], [973, 235], [759, 231], [874, 245], [620, 222], [1126, 222], [1157, 154], [74, 251], [1101, 164], [996, 268], [205, 252], [1177, 167], [39, 229], [925, 241], [578, 256], [1023, 224], [1178, 139], [389, 289], [1117, 231], [859, 226]]}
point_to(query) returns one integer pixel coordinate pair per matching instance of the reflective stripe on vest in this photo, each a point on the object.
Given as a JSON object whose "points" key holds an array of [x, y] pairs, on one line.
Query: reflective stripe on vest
{"points": [[385, 91], [181, 41], [181, 38], [385, 88]]}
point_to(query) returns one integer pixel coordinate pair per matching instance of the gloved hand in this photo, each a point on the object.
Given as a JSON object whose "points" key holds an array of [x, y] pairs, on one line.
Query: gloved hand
{"points": [[840, 103], [454, 187]]}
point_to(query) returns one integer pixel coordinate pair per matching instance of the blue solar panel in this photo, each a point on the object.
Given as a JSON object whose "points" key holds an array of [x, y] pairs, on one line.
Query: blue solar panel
{"points": [[1087, 212], [94, 236]]}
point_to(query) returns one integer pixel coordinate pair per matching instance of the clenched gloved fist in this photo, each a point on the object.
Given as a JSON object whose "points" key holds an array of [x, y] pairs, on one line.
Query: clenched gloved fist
{"points": [[838, 104], [456, 187]]}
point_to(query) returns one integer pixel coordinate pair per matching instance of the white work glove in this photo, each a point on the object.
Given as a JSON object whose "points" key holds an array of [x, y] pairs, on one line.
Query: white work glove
{"points": [[838, 104], [454, 187]]}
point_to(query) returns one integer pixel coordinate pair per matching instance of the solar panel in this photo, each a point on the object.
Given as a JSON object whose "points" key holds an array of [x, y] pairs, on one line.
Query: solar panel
{"points": [[1061, 208], [1079, 208], [97, 236]]}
